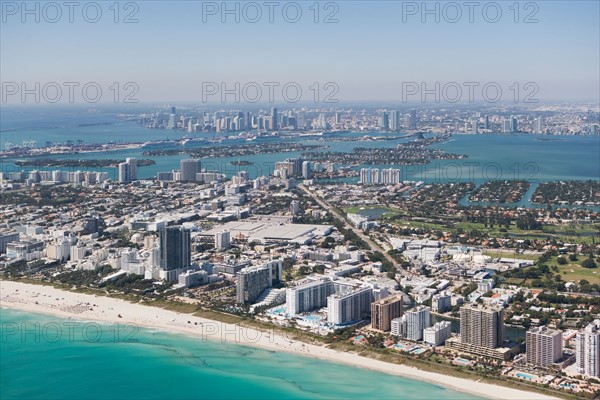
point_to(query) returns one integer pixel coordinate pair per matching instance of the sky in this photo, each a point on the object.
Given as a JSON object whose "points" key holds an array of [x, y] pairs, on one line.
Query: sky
{"points": [[350, 51]]}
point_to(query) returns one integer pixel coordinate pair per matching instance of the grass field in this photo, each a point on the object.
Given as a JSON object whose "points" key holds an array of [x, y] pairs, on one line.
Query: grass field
{"points": [[426, 225], [508, 253], [516, 281], [573, 271], [563, 234], [389, 211]]}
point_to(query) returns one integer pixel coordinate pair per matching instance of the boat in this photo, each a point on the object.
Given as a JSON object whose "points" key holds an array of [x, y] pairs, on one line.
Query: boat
{"points": [[311, 134], [153, 143]]}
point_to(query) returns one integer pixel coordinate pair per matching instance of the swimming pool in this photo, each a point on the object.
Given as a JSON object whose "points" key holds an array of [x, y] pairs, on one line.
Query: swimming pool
{"points": [[568, 385], [524, 376], [461, 361], [278, 310], [312, 318]]}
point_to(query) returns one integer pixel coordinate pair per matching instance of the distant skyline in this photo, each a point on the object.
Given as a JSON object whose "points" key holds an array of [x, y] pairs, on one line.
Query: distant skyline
{"points": [[368, 54]]}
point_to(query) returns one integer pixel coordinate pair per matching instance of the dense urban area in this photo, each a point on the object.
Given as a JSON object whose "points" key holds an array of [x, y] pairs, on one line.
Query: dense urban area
{"points": [[456, 277]]}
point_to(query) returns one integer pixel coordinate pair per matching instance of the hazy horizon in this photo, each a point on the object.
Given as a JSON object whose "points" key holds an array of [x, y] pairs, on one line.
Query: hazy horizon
{"points": [[367, 51]]}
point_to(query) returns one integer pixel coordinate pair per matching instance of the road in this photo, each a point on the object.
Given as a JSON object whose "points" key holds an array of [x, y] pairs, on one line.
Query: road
{"points": [[372, 244]]}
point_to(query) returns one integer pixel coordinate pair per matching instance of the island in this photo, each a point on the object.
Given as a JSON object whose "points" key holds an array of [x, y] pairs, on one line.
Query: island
{"points": [[91, 163]]}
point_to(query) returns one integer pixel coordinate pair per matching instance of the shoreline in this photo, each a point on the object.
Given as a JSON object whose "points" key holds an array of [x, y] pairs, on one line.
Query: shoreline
{"points": [[51, 301]]}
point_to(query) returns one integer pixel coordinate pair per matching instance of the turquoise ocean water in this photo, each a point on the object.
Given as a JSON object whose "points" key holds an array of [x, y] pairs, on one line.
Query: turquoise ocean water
{"points": [[45, 364]]}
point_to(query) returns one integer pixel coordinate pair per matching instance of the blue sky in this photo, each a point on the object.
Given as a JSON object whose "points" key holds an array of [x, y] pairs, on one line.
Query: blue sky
{"points": [[369, 53]]}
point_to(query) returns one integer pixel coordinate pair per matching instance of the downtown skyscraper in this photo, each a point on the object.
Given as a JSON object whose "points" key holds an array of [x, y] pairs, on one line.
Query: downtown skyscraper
{"points": [[412, 119], [395, 120], [274, 119]]}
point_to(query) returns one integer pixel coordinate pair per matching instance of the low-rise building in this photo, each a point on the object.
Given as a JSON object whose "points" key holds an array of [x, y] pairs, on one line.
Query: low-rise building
{"points": [[437, 334]]}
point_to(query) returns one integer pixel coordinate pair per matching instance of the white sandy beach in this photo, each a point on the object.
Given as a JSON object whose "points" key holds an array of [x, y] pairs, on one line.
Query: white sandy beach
{"points": [[48, 300]]}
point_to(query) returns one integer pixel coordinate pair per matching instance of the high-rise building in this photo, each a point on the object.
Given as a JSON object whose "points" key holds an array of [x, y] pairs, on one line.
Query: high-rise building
{"points": [[537, 125], [385, 120], [241, 123], [514, 124], [7, 237], [172, 124], [482, 326], [475, 126], [441, 302], [588, 350], [307, 169], [284, 168], [369, 176], [293, 122], [175, 251], [308, 296], [189, 169], [274, 119], [252, 281], [294, 207], [294, 163], [375, 176], [384, 311], [338, 118], [390, 176], [77, 252], [412, 120], [34, 176], [437, 334], [482, 332], [543, 346], [57, 176], [506, 125], [365, 176], [395, 120], [417, 319], [301, 121], [322, 123], [345, 308], [222, 240], [92, 225], [128, 170], [248, 120]]}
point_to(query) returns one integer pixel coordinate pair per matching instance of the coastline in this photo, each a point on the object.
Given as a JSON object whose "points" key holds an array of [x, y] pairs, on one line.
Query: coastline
{"points": [[56, 302]]}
